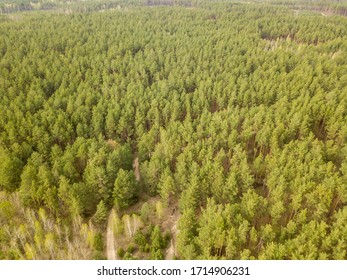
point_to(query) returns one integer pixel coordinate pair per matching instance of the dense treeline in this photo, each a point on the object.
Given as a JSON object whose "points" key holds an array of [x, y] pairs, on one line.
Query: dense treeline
{"points": [[10, 6], [330, 6], [236, 113]]}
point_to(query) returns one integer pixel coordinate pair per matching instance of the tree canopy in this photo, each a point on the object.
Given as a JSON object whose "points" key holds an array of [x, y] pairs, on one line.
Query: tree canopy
{"points": [[229, 116]]}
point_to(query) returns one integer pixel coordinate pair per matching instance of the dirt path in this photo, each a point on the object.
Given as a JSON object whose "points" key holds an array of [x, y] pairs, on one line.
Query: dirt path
{"points": [[136, 169], [110, 242], [171, 253], [111, 246]]}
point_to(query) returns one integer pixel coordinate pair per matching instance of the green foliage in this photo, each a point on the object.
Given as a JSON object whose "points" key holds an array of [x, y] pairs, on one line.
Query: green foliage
{"points": [[145, 211], [156, 254], [186, 238], [130, 249], [98, 255], [126, 189], [29, 234], [120, 252], [128, 256], [157, 241], [11, 168], [140, 240], [98, 242], [157, 244], [235, 114], [100, 215]]}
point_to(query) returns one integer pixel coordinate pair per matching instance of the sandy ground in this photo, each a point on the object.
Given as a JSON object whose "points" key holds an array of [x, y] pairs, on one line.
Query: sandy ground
{"points": [[171, 224], [136, 168], [111, 250], [170, 252], [111, 245]]}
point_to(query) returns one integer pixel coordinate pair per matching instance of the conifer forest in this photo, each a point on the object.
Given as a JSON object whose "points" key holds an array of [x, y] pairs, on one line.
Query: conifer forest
{"points": [[173, 129]]}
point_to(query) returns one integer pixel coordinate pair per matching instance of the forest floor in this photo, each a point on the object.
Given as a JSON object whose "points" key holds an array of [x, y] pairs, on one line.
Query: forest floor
{"points": [[110, 240], [170, 253], [111, 250], [171, 217], [167, 221], [136, 167]]}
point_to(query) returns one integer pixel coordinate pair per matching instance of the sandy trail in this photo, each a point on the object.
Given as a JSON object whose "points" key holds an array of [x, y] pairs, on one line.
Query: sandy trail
{"points": [[170, 253], [111, 250], [110, 244], [136, 167], [171, 224]]}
